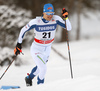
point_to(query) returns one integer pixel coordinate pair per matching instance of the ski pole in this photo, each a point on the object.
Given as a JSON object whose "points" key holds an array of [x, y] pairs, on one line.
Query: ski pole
{"points": [[8, 67], [69, 52]]}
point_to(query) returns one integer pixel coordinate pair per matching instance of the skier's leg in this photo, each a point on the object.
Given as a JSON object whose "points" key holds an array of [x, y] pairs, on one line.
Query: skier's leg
{"points": [[34, 72], [29, 78], [41, 65], [41, 75], [40, 56]]}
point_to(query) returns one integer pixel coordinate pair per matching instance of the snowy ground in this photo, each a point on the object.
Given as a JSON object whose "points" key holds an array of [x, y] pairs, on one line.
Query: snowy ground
{"points": [[85, 56]]}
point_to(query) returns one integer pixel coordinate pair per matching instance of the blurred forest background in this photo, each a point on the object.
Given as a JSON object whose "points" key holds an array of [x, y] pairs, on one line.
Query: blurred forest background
{"points": [[14, 14]]}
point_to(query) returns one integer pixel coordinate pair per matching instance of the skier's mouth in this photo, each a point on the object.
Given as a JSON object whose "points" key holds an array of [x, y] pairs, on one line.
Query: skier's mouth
{"points": [[49, 17]]}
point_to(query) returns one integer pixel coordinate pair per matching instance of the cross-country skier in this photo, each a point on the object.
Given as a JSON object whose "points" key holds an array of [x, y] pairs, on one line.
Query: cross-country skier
{"points": [[44, 29]]}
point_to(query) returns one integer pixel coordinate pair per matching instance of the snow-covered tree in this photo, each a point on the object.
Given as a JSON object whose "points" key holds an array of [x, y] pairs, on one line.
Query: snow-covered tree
{"points": [[12, 19]]}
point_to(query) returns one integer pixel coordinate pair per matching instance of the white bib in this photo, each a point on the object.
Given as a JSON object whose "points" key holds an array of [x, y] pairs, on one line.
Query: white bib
{"points": [[45, 31]]}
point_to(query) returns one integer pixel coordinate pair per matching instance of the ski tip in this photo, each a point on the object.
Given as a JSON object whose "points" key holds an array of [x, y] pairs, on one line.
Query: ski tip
{"points": [[9, 87]]}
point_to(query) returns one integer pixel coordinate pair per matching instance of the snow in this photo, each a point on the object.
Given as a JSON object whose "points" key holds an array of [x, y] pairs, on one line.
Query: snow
{"points": [[6, 53], [85, 55]]}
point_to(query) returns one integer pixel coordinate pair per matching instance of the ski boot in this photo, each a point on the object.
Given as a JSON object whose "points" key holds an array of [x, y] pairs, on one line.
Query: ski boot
{"points": [[28, 80]]}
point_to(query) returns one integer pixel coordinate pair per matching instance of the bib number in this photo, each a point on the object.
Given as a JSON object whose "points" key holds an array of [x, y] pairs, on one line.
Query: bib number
{"points": [[46, 35]]}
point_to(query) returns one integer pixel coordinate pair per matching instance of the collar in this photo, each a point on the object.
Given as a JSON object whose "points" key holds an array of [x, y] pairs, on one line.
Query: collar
{"points": [[44, 20]]}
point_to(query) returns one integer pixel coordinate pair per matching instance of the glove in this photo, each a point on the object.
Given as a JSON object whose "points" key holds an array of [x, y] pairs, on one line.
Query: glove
{"points": [[64, 13], [17, 49]]}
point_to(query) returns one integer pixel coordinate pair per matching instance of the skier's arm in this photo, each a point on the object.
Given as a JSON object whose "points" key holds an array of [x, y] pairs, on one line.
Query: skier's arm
{"points": [[26, 28], [65, 16], [68, 24], [61, 22]]}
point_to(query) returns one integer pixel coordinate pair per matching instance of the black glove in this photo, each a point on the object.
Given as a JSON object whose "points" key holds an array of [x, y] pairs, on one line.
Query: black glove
{"points": [[64, 13], [17, 49]]}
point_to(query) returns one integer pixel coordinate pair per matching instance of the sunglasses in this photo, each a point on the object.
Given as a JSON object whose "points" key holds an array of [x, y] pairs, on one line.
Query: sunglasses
{"points": [[49, 13]]}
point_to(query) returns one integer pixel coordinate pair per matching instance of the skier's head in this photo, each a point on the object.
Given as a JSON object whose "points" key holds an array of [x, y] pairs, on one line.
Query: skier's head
{"points": [[48, 8], [48, 11]]}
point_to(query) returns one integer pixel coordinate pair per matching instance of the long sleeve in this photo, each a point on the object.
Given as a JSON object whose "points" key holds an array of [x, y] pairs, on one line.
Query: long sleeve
{"points": [[61, 22], [26, 28], [68, 25]]}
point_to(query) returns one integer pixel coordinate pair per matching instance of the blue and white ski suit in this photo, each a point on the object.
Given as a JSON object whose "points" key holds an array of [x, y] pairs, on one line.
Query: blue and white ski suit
{"points": [[44, 33]]}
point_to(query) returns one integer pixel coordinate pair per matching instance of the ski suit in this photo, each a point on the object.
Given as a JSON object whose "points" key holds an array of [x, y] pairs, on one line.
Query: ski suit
{"points": [[44, 33]]}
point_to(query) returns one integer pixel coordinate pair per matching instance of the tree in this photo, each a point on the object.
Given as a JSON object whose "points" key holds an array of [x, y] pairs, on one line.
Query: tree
{"points": [[78, 19], [11, 23]]}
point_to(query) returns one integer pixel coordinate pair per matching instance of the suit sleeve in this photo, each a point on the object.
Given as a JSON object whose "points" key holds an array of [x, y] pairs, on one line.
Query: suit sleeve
{"points": [[61, 22], [68, 25], [26, 28]]}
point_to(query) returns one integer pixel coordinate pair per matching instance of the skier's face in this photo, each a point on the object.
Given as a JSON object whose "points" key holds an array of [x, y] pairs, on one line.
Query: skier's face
{"points": [[48, 15]]}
